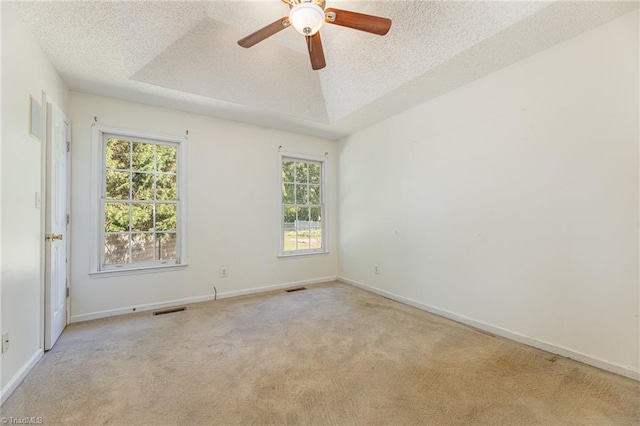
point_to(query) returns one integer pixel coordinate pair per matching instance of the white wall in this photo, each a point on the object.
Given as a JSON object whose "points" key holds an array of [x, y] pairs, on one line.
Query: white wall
{"points": [[512, 202], [25, 71], [233, 219]]}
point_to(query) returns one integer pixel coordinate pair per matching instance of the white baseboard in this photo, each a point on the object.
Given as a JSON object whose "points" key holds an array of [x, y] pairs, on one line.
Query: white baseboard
{"points": [[529, 341], [275, 287], [8, 389], [196, 299]]}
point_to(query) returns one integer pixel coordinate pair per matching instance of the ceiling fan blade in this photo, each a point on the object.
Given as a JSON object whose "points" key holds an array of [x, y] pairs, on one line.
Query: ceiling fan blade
{"points": [[358, 21], [265, 32], [316, 53]]}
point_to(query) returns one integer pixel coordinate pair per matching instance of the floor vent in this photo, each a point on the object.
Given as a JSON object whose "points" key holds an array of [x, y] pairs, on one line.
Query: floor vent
{"points": [[291, 290], [170, 311]]}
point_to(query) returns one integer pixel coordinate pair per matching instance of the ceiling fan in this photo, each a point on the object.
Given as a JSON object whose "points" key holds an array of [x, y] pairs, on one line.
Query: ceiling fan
{"points": [[307, 16]]}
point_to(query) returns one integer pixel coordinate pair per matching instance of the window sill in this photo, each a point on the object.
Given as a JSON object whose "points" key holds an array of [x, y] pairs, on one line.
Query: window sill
{"points": [[137, 271], [311, 253]]}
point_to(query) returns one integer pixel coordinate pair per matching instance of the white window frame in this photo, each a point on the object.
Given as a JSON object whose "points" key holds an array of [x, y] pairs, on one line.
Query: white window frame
{"points": [[323, 200], [97, 193]]}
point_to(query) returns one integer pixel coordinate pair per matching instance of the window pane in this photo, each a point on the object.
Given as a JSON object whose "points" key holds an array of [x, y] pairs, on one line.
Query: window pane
{"points": [[287, 171], [289, 228], [303, 214], [142, 156], [116, 217], [166, 217], [289, 239], [301, 194], [142, 186], [141, 247], [141, 217], [288, 194], [166, 187], [314, 173], [116, 249], [118, 152], [303, 239], [301, 172], [314, 194], [289, 215], [166, 246], [315, 214], [117, 185], [166, 158], [316, 237]]}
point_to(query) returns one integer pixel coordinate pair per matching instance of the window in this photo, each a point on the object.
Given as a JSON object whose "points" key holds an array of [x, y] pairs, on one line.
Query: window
{"points": [[303, 221], [141, 201]]}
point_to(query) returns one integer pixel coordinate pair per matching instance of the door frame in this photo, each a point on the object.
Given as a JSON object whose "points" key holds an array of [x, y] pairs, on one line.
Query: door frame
{"points": [[44, 184]]}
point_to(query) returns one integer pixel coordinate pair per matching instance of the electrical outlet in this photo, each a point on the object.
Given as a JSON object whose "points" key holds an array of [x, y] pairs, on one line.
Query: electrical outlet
{"points": [[5, 341], [376, 269], [224, 272]]}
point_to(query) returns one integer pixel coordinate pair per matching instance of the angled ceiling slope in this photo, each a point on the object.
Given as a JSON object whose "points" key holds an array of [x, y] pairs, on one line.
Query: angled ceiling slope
{"points": [[183, 54]]}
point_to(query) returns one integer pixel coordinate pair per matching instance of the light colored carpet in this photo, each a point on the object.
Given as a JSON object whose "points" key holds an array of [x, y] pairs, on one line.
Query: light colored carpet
{"points": [[331, 354]]}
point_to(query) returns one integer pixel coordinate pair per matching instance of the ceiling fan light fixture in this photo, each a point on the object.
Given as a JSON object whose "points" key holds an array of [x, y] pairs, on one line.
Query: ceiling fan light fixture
{"points": [[306, 18]]}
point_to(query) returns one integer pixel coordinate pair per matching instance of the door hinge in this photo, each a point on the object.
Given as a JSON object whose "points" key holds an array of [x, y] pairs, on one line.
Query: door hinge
{"points": [[67, 218], [68, 146], [67, 292]]}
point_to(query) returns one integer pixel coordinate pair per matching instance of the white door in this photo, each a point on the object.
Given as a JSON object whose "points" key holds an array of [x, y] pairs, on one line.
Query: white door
{"points": [[56, 226]]}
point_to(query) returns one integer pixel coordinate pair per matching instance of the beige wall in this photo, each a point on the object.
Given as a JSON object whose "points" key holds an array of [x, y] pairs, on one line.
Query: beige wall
{"points": [[512, 202], [232, 209], [25, 71]]}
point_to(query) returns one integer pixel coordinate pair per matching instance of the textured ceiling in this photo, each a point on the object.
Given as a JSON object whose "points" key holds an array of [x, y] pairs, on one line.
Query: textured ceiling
{"points": [[183, 55]]}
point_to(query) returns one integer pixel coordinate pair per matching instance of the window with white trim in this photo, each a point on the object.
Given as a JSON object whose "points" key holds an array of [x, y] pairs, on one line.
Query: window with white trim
{"points": [[302, 195], [141, 205]]}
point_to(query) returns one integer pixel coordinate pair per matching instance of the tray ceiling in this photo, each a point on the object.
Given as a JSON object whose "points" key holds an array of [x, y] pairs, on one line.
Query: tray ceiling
{"points": [[183, 55]]}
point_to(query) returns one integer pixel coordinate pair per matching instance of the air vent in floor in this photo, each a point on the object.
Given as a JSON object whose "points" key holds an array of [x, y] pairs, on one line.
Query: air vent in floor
{"points": [[170, 311], [291, 290]]}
